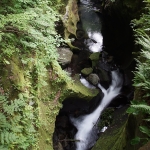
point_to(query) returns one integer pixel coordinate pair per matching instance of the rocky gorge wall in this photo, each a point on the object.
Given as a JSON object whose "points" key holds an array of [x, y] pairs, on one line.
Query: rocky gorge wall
{"points": [[124, 127]]}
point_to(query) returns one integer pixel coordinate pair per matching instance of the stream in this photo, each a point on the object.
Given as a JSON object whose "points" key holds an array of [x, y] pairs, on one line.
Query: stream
{"points": [[92, 26], [77, 125], [87, 124]]}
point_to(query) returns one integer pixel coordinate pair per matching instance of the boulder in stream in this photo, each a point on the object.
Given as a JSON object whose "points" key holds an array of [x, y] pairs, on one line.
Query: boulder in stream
{"points": [[93, 78], [86, 71]]}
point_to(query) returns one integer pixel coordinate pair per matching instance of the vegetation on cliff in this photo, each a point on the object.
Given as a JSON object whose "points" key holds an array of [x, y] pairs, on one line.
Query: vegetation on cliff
{"points": [[32, 83], [28, 51], [142, 74]]}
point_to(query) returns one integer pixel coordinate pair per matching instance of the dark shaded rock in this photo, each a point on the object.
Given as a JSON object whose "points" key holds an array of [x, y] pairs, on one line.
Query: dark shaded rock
{"points": [[80, 60], [62, 121], [80, 34], [107, 62], [74, 105], [119, 101], [95, 101], [145, 147], [104, 66], [58, 146], [104, 76]]}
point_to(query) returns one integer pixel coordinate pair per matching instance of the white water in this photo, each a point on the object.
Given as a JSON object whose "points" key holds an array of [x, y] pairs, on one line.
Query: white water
{"points": [[97, 45], [92, 25], [85, 125], [85, 1]]}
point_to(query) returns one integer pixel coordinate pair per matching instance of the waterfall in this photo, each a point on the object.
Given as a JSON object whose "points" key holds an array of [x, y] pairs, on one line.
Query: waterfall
{"points": [[86, 124], [91, 24]]}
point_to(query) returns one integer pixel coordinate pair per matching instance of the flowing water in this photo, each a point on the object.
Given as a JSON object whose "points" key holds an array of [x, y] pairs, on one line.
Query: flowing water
{"points": [[86, 124], [91, 24]]}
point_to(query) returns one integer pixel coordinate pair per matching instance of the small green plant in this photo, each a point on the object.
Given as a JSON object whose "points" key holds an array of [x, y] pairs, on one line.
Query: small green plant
{"points": [[142, 73], [106, 118], [17, 124], [137, 109]]}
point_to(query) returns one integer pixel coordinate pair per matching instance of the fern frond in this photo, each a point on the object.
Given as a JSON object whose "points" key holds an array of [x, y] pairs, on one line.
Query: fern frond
{"points": [[142, 107], [148, 119]]}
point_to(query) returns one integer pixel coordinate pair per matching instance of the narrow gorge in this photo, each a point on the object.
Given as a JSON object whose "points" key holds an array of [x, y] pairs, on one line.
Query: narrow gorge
{"points": [[103, 60]]}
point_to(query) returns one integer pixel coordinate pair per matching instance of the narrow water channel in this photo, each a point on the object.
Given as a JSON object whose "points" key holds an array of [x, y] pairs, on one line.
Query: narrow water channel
{"points": [[77, 122]]}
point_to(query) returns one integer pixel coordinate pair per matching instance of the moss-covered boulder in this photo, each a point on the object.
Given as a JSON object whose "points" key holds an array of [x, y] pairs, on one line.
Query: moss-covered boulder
{"points": [[86, 71], [93, 78], [95, 56]]}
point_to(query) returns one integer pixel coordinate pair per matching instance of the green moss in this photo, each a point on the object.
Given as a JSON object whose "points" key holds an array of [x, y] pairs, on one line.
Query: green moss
{"points": [[95, 56], [47, 115], [86, 71], [18, 75], [120, 133], [114, 140], [59, 86], [79, 90], [115, 137], [70, 20]]}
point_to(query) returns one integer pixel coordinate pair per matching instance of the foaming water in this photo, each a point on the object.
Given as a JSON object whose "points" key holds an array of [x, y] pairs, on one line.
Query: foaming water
{"points": [[86, 125], [85, 2], [96, 45], [91, 24]]}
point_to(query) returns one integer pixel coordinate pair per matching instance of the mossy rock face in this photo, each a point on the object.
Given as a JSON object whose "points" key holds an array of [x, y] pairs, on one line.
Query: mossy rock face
{"points": [[86, 71], [79, 90], [119, 135], [70, 20], [114, 138], [52, 96]]}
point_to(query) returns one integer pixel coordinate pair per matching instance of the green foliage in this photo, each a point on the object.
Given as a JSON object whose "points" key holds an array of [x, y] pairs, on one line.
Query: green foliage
{"points": [[142, 107], [137, 109], [142, 73], [106, 118], [135, 141], [17, 126], [141, 31], [28, 43]]}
